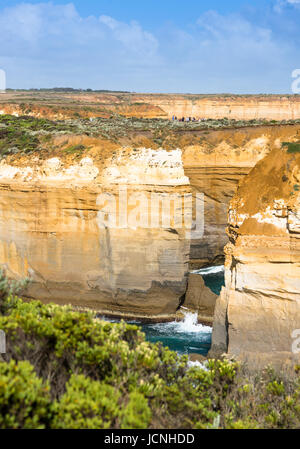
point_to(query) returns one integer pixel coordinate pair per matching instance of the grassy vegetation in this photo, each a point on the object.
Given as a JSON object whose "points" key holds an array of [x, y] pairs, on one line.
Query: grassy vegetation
{"points": [[292, 147], [66, 369], [75, 149], [27, 134]]}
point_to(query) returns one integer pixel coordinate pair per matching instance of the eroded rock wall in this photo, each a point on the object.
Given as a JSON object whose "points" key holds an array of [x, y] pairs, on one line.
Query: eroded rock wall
{"points": [[199, 298], [81, 236], [257, 315], [65, 105], [214, 167], [273, 107]]}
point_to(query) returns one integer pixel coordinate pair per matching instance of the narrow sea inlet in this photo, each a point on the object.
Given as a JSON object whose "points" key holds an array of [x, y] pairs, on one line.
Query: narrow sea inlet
{"points": [[188, 336], [185, 337], [213, 277]]}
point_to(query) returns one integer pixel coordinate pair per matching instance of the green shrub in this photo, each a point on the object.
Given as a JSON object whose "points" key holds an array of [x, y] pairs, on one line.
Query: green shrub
{"points": [[9, 288], [24, 398], [87, 404], [136, 414], [105, 375], [198, 397], [67, 342]]}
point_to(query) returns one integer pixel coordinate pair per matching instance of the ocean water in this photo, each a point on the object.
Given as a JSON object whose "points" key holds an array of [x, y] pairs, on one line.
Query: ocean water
{"points": [[187, 336], [213, 277]]}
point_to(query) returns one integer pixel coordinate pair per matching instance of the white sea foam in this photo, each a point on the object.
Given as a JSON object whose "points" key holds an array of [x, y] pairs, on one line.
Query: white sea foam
{"points": [[186, 336], [197, 364], [209, 270], [188, 326]]}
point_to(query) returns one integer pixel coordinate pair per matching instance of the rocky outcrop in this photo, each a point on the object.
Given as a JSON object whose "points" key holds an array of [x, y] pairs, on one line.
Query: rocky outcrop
{"points": [[257, 315], [200, 299]]}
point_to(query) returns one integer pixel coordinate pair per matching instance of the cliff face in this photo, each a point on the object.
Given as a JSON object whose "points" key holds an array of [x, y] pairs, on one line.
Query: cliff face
{"points": [[83, 239], [238, 107], [61, 105], [258, 312], [215, 166]]}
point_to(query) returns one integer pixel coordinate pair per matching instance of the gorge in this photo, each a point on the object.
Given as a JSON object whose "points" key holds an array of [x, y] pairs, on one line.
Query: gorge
{"points": [[100, 215]]}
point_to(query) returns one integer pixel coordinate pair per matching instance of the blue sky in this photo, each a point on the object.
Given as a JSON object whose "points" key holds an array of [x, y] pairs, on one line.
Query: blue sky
{"points": [[237, 46], [150, 13]]}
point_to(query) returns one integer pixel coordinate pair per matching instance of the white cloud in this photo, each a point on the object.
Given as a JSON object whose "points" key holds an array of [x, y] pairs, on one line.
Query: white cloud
{"points": [[281, 4], [132, 36], [45, 34], [37, 23], [228, 53], [231, 27]]}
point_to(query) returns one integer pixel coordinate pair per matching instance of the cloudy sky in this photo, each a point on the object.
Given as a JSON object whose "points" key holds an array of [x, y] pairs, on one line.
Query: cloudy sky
{"points": [[236, 46]]}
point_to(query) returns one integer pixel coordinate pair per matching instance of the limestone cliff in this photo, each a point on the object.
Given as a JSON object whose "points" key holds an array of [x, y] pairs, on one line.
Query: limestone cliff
{"points": [[258, 312], [215, 165], [98, 212], [61, 105], [82, 233], [244, 107]]}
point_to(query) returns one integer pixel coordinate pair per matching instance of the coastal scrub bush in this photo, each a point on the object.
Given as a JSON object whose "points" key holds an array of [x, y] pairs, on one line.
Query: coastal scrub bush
{"points": [[67, 369], [136, 414], [74, 149], [59, 342], [24, 398], [9, 288], [86, 404]]}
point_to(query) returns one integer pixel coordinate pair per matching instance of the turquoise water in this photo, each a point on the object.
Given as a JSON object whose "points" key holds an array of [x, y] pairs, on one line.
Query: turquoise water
{"points": [[187, 336], [213, 277]]}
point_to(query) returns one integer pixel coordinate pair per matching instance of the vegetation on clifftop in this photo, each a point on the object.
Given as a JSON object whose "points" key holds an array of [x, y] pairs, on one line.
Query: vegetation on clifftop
{"points": [[292, 147], [27, 134], [66, 369]]}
